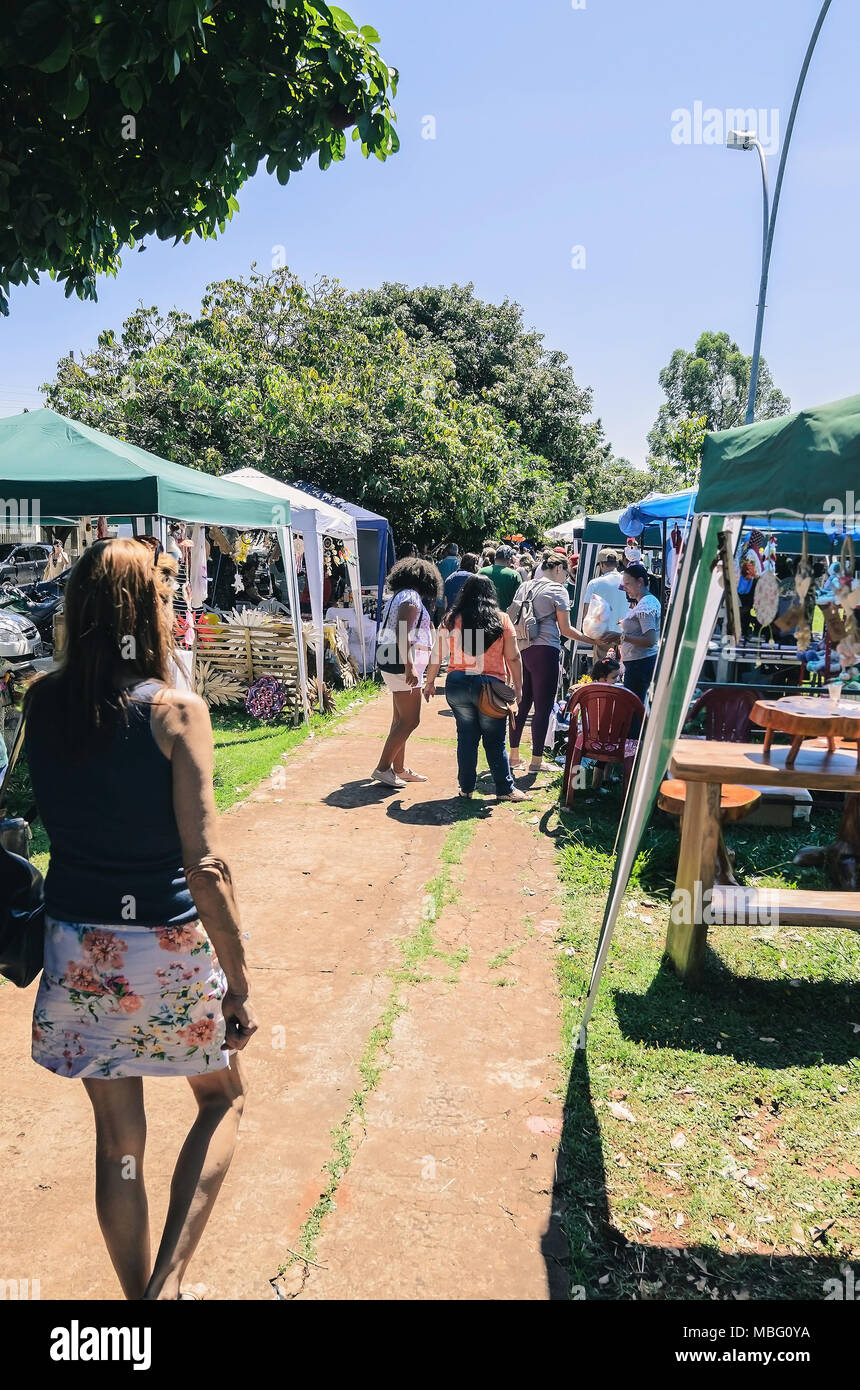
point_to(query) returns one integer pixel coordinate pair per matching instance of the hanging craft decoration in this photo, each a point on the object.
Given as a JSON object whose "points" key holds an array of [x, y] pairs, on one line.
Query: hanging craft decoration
{"points": [[806, 597], [216, 687], [266, 699], [220, 540], [766, 602]]}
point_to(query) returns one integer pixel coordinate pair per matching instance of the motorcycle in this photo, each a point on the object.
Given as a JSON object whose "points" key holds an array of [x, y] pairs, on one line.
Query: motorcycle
{"points": [[36, 602]]}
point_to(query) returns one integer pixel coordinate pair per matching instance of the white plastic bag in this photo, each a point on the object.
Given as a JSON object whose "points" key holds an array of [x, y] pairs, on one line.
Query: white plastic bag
{"points": [[596, 622]]}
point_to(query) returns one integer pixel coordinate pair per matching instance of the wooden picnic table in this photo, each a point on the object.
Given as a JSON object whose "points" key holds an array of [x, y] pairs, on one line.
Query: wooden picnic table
{"points": [[706, 765]]}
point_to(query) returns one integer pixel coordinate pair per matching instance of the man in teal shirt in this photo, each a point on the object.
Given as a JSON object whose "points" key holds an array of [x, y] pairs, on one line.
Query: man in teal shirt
{"points": [[506, 580]]}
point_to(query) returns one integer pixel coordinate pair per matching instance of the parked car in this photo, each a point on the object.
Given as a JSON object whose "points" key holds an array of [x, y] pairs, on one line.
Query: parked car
{"points": [[23, 562], [38, 602], [19, 637]]}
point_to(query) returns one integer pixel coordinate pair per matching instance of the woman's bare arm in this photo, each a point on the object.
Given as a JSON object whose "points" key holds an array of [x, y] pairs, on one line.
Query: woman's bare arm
{"points": [[513, 659], [441, 649], [565, 628], [407, 617], [183, 731]]}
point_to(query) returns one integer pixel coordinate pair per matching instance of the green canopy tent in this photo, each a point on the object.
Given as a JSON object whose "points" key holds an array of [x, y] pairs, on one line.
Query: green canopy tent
{"points": [[54, 467], [804, 467]]}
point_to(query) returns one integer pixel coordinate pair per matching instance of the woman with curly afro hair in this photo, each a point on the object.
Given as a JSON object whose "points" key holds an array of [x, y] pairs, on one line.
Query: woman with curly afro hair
{"points": [[416, 589]]}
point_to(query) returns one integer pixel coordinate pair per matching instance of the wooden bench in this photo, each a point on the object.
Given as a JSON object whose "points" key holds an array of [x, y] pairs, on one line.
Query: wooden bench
{"points": [[706, 767]]}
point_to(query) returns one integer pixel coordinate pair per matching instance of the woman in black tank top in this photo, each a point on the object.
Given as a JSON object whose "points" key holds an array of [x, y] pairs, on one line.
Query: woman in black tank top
{"points": [[144, 970]]}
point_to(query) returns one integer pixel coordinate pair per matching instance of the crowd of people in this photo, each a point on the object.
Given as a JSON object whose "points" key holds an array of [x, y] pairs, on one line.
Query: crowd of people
{"points": [[144, 970], [500, 619]]}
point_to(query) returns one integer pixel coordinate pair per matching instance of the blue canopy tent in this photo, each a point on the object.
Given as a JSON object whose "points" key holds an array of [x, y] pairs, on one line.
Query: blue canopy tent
{"points": [[822, 533], [376, 552]]}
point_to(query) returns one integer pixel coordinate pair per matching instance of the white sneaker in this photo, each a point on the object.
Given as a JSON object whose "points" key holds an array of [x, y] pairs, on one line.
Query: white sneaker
{"points": [[387, 777]]}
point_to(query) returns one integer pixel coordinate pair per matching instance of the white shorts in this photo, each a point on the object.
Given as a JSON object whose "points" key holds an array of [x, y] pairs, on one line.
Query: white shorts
{"points": [[399, 683]]}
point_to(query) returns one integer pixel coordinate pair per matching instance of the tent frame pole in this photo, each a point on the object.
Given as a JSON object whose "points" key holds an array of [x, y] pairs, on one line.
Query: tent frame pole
{"points": [[288, 555]]}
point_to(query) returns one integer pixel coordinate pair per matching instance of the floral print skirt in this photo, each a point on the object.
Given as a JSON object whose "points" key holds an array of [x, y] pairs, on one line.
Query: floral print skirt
{"points": [[129, 1001]]}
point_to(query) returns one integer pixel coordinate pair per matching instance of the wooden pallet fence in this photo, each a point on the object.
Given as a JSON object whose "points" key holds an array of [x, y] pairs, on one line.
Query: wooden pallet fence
{"points": [[229, 656]]}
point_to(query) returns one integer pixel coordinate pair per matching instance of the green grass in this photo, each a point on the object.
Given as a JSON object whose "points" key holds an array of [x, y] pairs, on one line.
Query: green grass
{"points": [[246, 752], [758, 1071]]}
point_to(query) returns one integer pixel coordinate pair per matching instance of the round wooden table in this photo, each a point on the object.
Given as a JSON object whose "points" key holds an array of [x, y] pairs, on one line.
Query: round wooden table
{"points": [[808, 716]]}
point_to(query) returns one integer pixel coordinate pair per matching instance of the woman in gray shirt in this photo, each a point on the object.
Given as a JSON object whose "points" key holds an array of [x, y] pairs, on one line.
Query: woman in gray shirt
{"points": [[542, 656]]}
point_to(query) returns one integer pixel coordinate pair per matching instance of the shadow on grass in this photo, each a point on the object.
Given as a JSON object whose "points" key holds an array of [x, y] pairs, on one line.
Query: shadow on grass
{"points": [[732, 1014], [587, 1257], [729, 1018]]}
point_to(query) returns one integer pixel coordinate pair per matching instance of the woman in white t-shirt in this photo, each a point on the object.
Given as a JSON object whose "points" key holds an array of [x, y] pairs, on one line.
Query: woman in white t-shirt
{"points": [[640, 631], [416, 588]]}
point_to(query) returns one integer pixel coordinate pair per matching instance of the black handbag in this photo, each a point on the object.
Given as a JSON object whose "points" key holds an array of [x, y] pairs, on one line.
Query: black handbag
{"points": [[22, 919]]}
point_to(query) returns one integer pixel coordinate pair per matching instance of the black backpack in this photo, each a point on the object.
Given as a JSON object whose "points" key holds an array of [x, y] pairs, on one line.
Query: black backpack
{"points": [[22, 919]]}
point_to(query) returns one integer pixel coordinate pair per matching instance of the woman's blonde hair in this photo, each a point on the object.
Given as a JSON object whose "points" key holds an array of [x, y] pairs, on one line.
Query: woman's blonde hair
{"points": [[119, 620]]}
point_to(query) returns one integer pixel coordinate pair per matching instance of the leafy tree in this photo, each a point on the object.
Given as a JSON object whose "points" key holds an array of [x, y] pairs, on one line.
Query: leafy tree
{"points": [[682, 463], [498, 361], [301, 382], [124, 120], [711, 382], [604, 487]]}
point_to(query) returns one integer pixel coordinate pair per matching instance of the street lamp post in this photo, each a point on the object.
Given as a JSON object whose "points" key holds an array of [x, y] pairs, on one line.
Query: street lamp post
{"points": [[746, 140]]}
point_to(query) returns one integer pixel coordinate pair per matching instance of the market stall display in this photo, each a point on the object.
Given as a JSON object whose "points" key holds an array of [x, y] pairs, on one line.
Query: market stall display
{"points": [[232, 653], [792, 469], [318, 523], [66, 472], [375, 545]]}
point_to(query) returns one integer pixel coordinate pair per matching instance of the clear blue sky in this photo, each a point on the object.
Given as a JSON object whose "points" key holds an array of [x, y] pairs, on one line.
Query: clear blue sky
{"points": [[554, 130]]}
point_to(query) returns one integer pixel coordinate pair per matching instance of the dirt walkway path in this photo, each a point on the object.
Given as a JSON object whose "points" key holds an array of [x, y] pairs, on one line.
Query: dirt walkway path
{"points": [[400, 1132]]}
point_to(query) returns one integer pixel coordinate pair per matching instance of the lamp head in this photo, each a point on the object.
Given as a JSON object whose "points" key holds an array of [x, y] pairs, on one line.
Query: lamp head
{"points": [[741, 140]]}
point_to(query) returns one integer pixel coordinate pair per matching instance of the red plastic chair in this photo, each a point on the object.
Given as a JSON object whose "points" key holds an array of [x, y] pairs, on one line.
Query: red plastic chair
{"points": [[727, 713], [605, 715]]}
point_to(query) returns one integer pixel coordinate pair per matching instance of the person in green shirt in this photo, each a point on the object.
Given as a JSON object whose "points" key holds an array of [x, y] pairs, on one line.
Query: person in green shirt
{"points": [[506, 579]]}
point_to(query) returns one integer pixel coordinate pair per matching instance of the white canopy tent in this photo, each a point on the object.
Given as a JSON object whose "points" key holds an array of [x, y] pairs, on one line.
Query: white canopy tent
{"points": [[315, 520], [568, 530]]}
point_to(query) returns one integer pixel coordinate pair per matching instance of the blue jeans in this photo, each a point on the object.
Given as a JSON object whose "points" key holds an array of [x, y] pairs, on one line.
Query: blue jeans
{"points": [[473, 727]]}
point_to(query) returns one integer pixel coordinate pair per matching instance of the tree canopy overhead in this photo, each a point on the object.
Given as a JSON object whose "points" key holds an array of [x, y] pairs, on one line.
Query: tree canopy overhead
{"points": [[500, 362], [303, 381], [707, 389], [120, 120], [320, 383]]}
